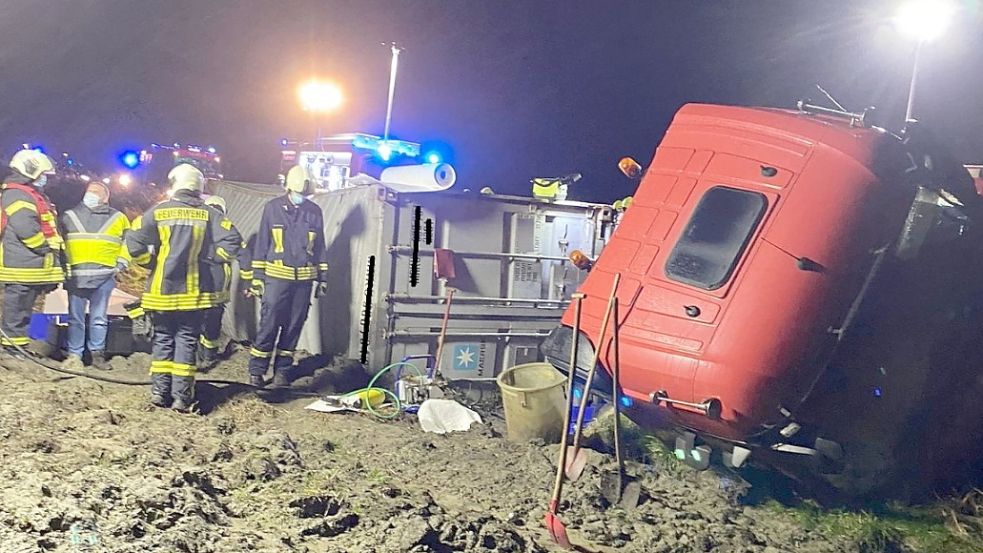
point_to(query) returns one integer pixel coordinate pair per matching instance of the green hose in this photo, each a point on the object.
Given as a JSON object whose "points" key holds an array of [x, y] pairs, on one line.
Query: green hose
{"points": [[371, 386]]}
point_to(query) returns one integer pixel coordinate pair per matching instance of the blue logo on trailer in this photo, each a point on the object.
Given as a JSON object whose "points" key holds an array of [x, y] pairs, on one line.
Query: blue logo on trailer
{"points": [[465, 357]]}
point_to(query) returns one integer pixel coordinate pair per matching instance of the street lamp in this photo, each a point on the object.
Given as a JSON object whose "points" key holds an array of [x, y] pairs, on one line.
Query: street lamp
{"points": [[923, 21]]}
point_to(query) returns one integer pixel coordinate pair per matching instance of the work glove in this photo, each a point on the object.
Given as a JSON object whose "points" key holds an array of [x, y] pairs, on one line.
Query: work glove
{"points": [[256, 289], [321, 289]]}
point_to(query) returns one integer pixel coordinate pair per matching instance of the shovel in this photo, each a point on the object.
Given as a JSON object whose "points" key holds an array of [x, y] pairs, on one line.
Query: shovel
{"points": [[626, 490], [557, 530], [576, 459]]}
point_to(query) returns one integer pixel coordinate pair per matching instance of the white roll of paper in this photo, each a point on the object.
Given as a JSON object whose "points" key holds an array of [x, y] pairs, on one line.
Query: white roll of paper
{"points": [[429, 177]]}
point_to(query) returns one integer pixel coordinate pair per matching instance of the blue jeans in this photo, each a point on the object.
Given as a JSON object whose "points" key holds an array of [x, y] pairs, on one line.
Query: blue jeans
{"points": [[97, 300]]}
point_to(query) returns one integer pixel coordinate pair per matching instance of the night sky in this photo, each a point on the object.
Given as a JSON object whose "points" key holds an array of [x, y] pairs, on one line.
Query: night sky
{"points": [[517, 88]]}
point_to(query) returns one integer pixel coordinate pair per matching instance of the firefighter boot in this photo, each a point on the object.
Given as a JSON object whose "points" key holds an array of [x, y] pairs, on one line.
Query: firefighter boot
{"points": [[207, 358], [257, 380], [183, 392], [100, 362], [281, 378], [160, 392]]}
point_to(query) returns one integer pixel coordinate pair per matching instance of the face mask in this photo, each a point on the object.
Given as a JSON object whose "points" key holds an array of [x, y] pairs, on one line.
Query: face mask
{"points": [[41, 181], [90, 200], [296, 198]]}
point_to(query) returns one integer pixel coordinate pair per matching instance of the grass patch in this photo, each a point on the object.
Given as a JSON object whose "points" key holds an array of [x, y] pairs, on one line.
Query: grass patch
{"points": [[638, 444], [892, 528]]}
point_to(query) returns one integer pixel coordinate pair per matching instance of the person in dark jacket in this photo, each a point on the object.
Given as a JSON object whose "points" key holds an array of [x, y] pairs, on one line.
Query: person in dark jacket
{"points": [[222, 271], [288, 257], [187, 238], [30, 245], [95, 251]]}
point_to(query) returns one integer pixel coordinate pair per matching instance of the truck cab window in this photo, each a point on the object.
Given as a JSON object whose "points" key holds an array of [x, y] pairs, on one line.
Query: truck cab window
{"points": [[715, 237]]}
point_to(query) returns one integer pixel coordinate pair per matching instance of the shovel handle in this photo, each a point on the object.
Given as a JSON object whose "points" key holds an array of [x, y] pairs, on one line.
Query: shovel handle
{"points": [[443, 332], [616, 384]]}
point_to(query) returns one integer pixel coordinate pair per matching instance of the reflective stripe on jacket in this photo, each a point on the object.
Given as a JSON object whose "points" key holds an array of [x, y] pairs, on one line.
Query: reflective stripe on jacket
{"points": [[94, 244], [290, 242], [222, 268], [30, 242], [187, 239]]}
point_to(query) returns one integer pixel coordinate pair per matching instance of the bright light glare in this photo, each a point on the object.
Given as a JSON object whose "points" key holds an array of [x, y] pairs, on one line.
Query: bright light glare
{"points": [[85, 178], [385, 152], [131, 159], [924, 20], [125, 180], [105, 180], [320, 96], [433, 158]]}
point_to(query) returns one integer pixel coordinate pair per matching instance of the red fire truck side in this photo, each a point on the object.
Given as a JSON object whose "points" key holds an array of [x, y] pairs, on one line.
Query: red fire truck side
{"points": [[784, 291]]}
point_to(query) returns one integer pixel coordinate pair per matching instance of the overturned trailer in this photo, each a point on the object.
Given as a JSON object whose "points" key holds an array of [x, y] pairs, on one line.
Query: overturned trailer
{"points": [[509, 258]]}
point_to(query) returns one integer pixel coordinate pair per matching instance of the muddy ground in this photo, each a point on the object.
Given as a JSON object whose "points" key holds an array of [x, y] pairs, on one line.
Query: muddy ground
{"points": [[88, 466]]}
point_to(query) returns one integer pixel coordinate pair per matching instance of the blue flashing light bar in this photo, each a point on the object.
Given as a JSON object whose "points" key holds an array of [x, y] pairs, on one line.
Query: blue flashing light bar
{"points": [[386, 148]]}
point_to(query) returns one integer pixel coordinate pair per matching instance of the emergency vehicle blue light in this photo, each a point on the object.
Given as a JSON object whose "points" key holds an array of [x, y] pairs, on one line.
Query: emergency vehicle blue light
{"points": [[878, 392], [211, 149], [130, 159], [39, 149], [385, 152], [626, 401], [283, 141], [433, 157], [70, 162]]}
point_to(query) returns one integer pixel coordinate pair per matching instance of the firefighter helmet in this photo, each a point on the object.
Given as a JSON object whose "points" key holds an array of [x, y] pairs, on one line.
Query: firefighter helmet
{"points": [[186, 177], [300, 180], [31, 164], [216, 202]]}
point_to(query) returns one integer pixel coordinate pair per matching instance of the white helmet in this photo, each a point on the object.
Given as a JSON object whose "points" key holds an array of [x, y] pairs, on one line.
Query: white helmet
{"points": [[186, 177], [31, 164], [216, 202], [300, 179]]}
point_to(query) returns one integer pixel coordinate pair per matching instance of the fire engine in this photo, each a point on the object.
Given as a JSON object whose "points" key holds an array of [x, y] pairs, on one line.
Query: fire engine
{"points": [[335, 160], [799, 288], [151, 165]]}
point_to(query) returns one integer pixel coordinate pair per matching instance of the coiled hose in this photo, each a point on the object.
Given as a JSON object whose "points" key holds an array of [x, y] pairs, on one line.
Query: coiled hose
{"points": [[398, 408]]}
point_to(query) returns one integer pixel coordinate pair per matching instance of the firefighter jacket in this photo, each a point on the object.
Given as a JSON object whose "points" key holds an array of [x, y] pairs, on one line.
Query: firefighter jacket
{"points": [[94, 244], [30, 245], [290, 242], [187, 238], [222, 268]]}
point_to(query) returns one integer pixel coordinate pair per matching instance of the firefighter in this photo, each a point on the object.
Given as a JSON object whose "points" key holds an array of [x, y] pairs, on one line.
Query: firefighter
{"points": [[287, 258], [30, 245], [222, 271], [186, 238], [95, 252]]}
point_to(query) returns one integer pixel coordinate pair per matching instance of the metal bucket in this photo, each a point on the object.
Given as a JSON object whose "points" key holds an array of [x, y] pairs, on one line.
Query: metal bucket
{"points": [[532, 395]]}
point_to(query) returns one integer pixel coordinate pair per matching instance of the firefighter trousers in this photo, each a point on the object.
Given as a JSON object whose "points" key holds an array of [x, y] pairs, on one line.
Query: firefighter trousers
{"points": [[175, 345], [211, 329], [282, 314], [18, 305]]}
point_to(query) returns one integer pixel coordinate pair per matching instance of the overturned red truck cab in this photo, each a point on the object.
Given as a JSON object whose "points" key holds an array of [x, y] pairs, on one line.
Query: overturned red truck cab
{"points": [[798, 287]]}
